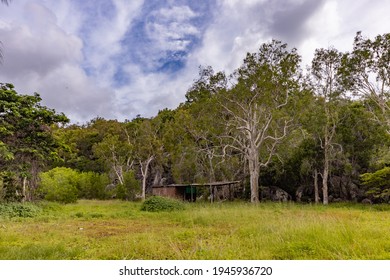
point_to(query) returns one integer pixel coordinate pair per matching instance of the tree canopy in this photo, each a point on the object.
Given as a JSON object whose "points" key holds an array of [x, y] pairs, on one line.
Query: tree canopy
{"points": [[317, 136]]}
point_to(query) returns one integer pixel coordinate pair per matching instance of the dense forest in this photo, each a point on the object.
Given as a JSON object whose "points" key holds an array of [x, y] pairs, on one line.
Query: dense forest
{"points": [[320, 134]]}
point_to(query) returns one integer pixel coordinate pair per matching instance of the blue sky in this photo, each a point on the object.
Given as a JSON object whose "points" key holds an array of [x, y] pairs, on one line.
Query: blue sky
{"points": [[117, 59]]}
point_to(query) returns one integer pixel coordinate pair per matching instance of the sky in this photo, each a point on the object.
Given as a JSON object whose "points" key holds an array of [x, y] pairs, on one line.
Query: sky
{"points": [[117, 59]]}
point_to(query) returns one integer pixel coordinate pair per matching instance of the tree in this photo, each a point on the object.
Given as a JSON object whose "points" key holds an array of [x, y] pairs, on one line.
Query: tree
{"points": [[26, 139], [147, 147], [117, 154], [256, 107], [78, 142], [324, 71], [378, 185], [205, 124], [366, 72]]}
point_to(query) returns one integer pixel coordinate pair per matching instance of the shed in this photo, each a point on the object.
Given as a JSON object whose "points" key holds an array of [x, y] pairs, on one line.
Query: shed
{"points": [[190, 192]]}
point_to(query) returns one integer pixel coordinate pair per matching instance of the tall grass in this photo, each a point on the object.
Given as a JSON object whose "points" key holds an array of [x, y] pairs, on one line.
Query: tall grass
{"points": [[120, 230]]}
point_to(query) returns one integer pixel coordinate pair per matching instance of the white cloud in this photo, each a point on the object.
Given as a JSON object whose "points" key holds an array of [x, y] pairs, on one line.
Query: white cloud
{"points": [[168, 30], [236, 30], [41, 57], [336, 24], [151, 92], [70, 55], [27, 51]]}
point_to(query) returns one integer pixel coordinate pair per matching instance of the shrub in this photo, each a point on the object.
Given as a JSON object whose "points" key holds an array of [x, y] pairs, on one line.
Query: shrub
{"points": [[130, 188], [24, 210], [377, 184], [59, 184], [92, 185], [158, 204], [66, 185]]}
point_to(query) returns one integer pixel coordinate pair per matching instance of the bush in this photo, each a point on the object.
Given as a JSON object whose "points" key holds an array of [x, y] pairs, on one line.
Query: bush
{"points": [[24, 210], [66, 185], [130, 188], [92, 185], [59, 184], [158, 204], [377, 184]]}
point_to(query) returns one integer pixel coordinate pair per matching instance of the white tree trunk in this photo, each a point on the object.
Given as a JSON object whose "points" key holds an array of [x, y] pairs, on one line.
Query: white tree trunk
{"points": [[24, 190], [254, 173], [119, 173], [325, 173], [316, 192], [145, 170]]}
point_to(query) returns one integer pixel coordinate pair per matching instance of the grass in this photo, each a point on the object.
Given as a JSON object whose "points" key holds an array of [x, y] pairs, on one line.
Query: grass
{"points": [[120, 230]]}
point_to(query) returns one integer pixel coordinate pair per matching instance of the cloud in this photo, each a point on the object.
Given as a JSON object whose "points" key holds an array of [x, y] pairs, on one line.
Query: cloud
{"points": [[120, 58], [242, 26], [161, 37], [26, 51], [289, 18], [41, 57]]}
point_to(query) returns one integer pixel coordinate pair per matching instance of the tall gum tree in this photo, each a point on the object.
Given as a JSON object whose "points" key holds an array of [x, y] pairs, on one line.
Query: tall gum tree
{"points": [[366, 73], [257, 106], [147, 147], [324, 73], [206, 126]]}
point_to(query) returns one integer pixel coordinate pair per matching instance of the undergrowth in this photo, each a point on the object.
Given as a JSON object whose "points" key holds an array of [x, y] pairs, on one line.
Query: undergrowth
{"points": [[22, 210], [159, 204]]}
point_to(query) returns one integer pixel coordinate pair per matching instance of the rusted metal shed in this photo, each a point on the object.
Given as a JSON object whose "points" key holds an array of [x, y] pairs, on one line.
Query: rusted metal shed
{"points": [[190, 192]]}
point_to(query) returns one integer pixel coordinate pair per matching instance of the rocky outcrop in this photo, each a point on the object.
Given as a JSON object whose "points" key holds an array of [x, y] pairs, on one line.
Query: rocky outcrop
{"points": [[274, 194]]}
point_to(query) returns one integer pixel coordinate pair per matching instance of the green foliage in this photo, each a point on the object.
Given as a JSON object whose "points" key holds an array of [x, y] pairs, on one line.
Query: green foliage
{"points": [[129, 189], [206, 85], [10, 189], [60, 184], [360, 135], [92, 185], [159, 204], [262, 123], [365, 73], [66, 185], [26, 136], [23, 210], [378, 184]]}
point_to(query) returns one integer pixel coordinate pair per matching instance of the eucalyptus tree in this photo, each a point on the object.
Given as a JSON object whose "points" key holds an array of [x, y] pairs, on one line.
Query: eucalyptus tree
{"points": [[208, 124], [146, 146], [116, 153], [324, 73], [366, 72], [257, 106]]}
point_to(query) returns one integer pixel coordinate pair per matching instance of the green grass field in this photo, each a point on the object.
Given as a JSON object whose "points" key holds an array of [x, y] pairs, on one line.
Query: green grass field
{"points": [[119, 230]]}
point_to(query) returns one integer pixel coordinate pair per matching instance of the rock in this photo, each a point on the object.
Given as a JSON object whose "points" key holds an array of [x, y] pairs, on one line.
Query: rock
{"points": [[366, 201], [275, 194], [110, 187], [299, 193]]}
